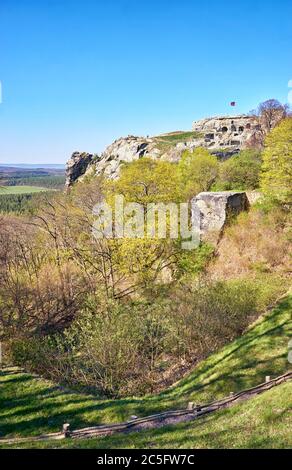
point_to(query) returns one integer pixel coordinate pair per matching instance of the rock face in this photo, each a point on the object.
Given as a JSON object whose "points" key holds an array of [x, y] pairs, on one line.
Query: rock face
{"points": [[125, 150], [77, 166], [230, 132], [223, 136], [211, 212]]}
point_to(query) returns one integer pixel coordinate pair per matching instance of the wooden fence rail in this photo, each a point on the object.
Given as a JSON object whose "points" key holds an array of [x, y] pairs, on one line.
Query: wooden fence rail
{"points": [[156, 420]]}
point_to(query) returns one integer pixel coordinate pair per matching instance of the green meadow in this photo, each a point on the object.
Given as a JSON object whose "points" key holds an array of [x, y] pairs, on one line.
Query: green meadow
{"points": [[5, 190]]}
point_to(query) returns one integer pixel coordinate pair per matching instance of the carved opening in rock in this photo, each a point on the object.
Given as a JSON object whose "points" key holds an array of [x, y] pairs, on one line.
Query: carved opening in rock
{"points": [[209, 136], [233, 128], [240, 129], [248, 126], [224, 129]]}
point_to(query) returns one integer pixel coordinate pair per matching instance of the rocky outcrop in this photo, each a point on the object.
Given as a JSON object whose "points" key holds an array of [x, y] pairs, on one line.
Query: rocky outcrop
{"points": [[223, 136], [125, 150], [77, 166], [230, 132], [211, 212]]}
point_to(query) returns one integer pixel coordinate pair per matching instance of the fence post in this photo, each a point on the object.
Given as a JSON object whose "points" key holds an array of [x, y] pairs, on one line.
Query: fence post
{"points": [[132, 418], [66, 429], [268, 378], [190, 406]]}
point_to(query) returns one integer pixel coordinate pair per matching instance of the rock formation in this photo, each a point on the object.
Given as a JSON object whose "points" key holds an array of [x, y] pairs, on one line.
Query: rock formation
{"points": [[223, 136], [212, 210], [231, 132], [77, 166]]}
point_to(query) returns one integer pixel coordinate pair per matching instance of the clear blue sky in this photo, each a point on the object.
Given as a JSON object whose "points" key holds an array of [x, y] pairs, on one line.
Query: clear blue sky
{"points": [[78, 74]]}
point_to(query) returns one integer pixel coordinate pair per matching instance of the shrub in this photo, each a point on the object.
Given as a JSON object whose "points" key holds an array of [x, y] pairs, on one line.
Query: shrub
{"points": [[276, 178], [198, 170], [117, 348], [240, 172], [259, 238]]}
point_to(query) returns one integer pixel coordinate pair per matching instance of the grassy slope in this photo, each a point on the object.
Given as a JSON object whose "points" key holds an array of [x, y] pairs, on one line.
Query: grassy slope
{"points": [[166, 141], [20, 190], [31, 406], [262, 422]]}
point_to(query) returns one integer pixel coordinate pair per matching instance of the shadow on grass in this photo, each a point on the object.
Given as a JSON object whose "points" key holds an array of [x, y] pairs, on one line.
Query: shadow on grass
{"points": [[30, 406]]}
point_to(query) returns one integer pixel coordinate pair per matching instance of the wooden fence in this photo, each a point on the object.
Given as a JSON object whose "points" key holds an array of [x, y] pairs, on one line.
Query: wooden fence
{"points": [[192, 412]]}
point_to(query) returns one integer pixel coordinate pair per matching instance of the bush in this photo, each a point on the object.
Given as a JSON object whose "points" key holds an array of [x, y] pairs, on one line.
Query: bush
{"points": [[240, 172], [198, 170], [260, 240], [277, 163], [118, 348]]}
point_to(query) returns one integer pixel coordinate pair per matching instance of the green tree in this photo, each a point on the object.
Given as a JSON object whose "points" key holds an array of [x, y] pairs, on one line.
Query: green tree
{"points": [[145, 259], [241, 171], [276, 177], [145, 181], [198, 171]]}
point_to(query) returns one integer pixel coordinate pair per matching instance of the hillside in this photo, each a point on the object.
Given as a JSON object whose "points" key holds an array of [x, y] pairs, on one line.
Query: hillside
{"points": [[262, 422], [37, 406], [224, 136]]}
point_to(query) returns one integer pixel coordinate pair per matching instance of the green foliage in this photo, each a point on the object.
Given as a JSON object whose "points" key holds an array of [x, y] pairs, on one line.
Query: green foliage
{"points": [[31, 406], [21, 203], [112, 347], [117, 348], [239, 172], [198, 170], [17, 203], [50, 182], [194, 262], [147, 181], [276, 178]]}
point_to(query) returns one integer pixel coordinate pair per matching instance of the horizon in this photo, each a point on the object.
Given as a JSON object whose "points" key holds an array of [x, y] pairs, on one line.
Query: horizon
{"points": [[35, 165], [89, 72]]}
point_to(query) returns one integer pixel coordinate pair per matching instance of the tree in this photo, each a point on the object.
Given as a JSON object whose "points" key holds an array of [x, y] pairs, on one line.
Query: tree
{"points": [[270, 113], [198, 171], [147, 181], [145, 259], [276, 178], [240, 172], [38, 292]]}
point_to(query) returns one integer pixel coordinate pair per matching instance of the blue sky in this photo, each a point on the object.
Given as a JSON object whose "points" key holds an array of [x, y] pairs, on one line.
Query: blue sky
{"points": [[77, 74]]}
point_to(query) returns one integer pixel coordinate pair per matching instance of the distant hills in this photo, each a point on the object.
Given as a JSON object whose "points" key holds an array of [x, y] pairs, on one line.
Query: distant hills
{"points": [[56, 166], [25, 171]]}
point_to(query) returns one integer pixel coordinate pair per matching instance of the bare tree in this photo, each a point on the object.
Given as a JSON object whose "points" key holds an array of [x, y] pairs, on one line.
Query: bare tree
{"points": [[270, 113]]}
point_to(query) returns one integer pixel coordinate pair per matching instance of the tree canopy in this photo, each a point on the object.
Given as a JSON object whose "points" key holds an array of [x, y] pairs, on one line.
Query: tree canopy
{"points": [[276, 177]]}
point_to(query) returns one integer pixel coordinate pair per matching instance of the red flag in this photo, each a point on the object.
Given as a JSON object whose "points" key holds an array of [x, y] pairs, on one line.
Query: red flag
{"points": [[233, 103]]}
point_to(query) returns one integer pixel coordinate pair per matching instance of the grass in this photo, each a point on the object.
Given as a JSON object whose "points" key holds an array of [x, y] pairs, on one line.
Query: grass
{"points": [[31, 406], [5, 190], [261, 422], [166, 141]]}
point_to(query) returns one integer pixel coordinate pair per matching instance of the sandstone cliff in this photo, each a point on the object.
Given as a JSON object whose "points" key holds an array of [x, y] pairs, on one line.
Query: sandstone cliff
{"points": [[223, 136]]}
